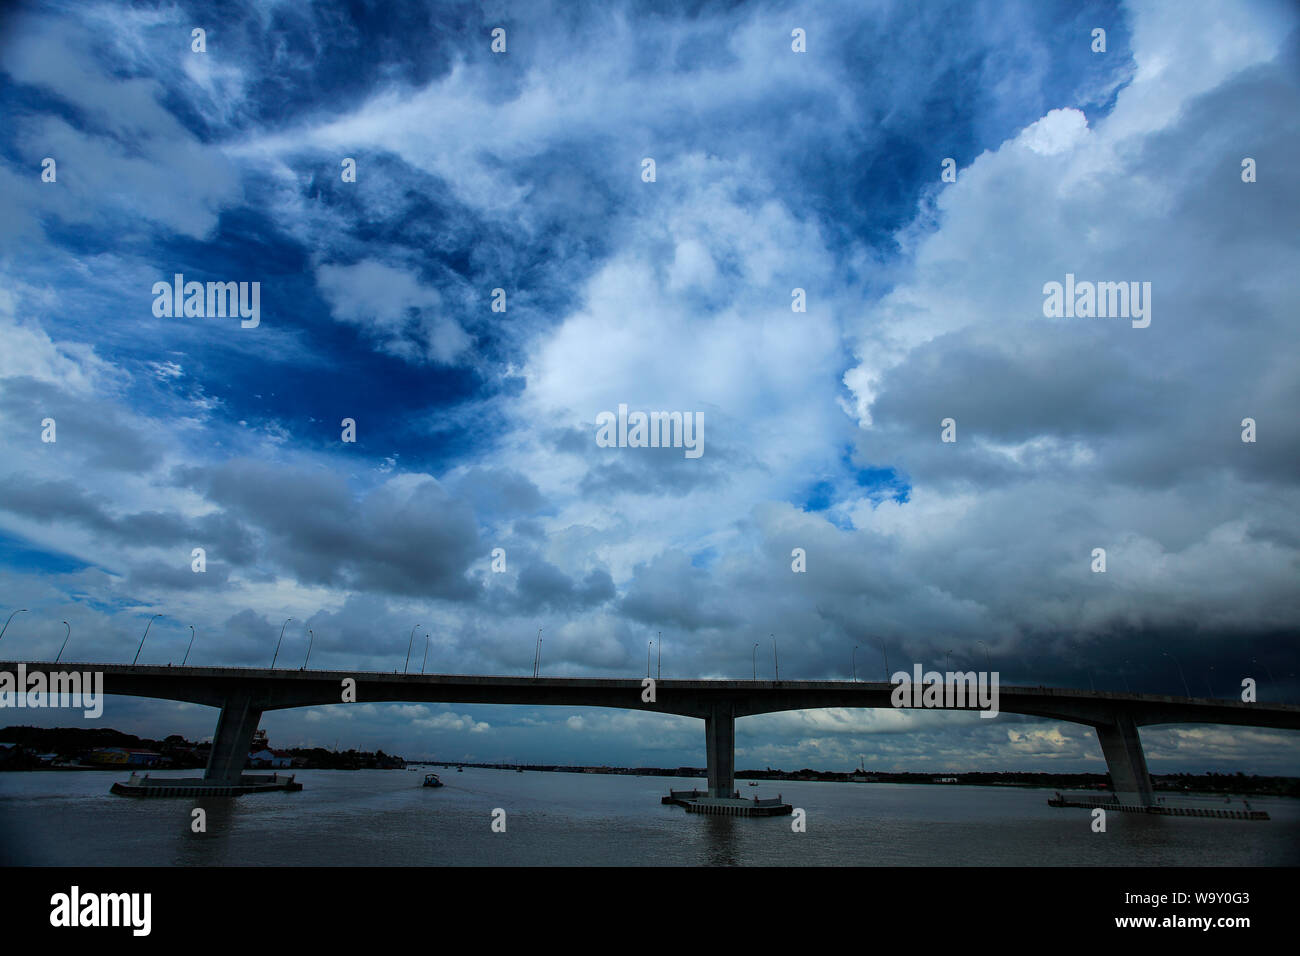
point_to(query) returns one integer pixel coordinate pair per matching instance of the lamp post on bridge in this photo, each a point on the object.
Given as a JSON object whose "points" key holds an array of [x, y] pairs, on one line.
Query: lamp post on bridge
{"points": [[311, 639], [537, 654], [426, 652], [1267, 670], [647, 659], [277, 643], [854, 660], [754, 660], [659, 657], [885, 651], [65, 641], [11, 617], [408, 650], [191, 644], [1187, 689], [776, 661], [146, 634]]}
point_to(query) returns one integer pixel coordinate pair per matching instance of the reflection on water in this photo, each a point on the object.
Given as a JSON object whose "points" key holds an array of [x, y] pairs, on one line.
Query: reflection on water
{"points": [[384, 817], [720, 836]]}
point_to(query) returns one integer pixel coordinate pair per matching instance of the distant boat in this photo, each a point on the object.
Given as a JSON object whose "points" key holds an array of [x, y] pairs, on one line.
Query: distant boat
{"points": [[460, 769], [431, 780], [753, 783]]}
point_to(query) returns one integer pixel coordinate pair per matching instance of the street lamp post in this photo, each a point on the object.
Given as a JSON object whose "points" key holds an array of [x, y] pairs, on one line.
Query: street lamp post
{"points": [[408, 650], [187, 650], [426, 652], [647, 658], [776, 661], [11, 617], [146, 634], [659, 656], [1187, 689], [65, 641], [277, 643], [885, 651], [311, 639], [537, 654], [754, 660], [1269, 671], [854, 660]]}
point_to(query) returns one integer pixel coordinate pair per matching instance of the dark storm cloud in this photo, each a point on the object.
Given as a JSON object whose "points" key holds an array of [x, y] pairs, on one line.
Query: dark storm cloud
{"points": [[670, 590], [64, 500], [416, 541], [498, 492], [96, 433], [543, 585]]}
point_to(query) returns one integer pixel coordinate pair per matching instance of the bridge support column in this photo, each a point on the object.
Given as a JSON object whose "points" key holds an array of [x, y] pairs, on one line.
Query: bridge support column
{"points": [[235, 728], [720, 734], [1122, 748]]}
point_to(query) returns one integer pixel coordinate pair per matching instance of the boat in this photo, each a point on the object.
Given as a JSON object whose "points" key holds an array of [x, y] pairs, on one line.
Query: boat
{"points": [[460, 769], [753, 783], [431, 780]]}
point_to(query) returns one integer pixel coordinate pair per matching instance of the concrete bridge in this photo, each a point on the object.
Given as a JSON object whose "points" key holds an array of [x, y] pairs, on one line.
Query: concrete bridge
{"points": [[244, 694]]}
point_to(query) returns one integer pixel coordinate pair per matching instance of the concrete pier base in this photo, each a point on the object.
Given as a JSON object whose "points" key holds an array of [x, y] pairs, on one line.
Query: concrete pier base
{"points": [[696, 801], [1110, 803], [146, 786]]}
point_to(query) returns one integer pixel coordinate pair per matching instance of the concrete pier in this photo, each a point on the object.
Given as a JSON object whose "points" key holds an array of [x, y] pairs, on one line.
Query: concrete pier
{"points": [[235, 728], [1122, 748], [720, 739]]}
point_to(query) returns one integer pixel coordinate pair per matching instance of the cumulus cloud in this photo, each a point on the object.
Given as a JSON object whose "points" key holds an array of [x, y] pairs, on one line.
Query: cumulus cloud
{"points": [[392, 305]]}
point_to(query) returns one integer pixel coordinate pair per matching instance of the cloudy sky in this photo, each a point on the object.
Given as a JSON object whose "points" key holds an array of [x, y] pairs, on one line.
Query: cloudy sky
{"points": [[774, 170]]}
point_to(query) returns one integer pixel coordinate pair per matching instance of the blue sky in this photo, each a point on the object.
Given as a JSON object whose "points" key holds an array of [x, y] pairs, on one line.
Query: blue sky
{"points": [[475, 428]]}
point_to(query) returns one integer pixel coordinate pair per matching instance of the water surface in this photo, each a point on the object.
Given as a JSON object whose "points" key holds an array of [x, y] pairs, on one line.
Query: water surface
{"points": [[385, 818]]}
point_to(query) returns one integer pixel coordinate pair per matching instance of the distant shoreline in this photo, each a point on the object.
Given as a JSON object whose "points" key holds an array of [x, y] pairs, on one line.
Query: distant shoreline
{"points": [[1211, 783]]}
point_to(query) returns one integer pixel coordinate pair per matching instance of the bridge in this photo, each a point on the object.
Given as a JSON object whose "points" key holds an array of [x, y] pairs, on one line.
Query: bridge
{"points": [[244, 694]]}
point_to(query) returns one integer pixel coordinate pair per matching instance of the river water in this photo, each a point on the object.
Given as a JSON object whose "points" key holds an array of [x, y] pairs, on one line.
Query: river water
{"points": [[385, 818]]}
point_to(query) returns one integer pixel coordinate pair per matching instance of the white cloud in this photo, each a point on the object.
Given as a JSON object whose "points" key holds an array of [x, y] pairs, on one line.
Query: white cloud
{"points": [[392, 305]]}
